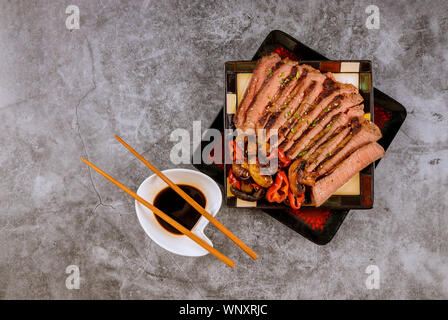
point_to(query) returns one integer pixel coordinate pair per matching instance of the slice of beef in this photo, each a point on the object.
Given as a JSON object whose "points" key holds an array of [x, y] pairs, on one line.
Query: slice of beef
{"points": [[367, 133], [337, 123], [308, 80], [326, 149], [263, 69], [276, 106], [358, 160], [339, 105], [330, 91], [312, 91], [268, 92]]}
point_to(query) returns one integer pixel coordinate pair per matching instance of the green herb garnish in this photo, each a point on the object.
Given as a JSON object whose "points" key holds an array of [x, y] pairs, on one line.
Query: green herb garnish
{"points": [[302, 153], [297, 75], [293, 130]]}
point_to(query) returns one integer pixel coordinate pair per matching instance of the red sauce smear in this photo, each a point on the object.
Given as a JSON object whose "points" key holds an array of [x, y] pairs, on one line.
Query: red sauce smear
{"points": [[284, 53], [315, 218], [381, 116]]}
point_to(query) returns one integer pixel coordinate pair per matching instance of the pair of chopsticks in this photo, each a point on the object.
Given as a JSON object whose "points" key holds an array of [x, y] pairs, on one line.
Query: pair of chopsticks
{"points": [[170, 220]]}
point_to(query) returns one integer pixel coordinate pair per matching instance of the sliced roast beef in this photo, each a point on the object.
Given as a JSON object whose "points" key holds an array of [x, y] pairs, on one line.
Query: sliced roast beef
{"points": [[358, 160], [291, 102], [331, 90], [338, 122], [263, 69], [339, 105], [289, 85], [367, 133], [312, 91], [309, 79], [326, 149], [268, 92], [320, 124]]}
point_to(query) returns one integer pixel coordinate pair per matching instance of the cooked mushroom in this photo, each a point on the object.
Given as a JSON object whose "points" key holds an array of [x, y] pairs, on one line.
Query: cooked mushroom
{"points": [[257, 195], [296, 175], [240, 172], [246, 187]]}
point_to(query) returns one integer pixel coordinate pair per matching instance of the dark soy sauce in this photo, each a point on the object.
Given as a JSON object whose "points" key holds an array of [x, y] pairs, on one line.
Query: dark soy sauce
{"points": [[177, 208]]}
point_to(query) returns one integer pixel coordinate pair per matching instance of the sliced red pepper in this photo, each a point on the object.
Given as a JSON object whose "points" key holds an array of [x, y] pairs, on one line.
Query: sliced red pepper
{"points": [[284, 161], [234, 151], [295, 202], [278, 192], [234, 181]]}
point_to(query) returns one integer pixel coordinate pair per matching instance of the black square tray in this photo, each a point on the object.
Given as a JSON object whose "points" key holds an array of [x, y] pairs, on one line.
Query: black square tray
{"points": [[315, 224]]}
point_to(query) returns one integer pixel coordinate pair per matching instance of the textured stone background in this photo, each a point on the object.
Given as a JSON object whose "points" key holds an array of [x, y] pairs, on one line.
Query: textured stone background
{"points": [[142, 69]]}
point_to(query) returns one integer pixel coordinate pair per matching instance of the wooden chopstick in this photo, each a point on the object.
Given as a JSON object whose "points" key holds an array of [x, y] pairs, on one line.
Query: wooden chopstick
{"points": [[193, 203], [164, 216]]}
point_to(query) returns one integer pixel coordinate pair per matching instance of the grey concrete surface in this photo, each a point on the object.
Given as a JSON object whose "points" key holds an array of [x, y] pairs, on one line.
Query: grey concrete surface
{"points": [[143, 68]]}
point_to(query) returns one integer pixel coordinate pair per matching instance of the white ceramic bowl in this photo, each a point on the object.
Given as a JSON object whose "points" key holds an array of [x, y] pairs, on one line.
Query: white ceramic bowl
{"points": [[179, 244]]}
